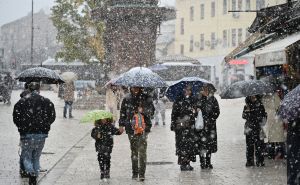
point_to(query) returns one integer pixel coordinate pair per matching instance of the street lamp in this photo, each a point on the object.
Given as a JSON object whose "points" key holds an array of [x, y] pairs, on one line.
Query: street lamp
{"points": [[31, 43]]}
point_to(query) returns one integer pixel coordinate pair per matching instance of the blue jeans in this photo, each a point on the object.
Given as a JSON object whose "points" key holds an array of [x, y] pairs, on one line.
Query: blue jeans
{"points": [[32, 146], [68, 104]]}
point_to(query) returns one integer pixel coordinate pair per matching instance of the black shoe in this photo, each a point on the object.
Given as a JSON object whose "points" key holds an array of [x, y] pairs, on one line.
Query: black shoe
{"points": [[23, 174], [32, 180], [186, 168], [107, 175], [164, 123], [71, 117], [156, 124], [65, 117], [102, 176], [260, 164], [249, 164], [134, 176], [203, 166], [209, 166]]}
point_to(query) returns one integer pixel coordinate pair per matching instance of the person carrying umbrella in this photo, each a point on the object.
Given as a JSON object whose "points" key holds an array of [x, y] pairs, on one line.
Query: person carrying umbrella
{"points": [[207, 137], [33, 116], [255, 115], [136, 112], [182, 123], [69, 89]]}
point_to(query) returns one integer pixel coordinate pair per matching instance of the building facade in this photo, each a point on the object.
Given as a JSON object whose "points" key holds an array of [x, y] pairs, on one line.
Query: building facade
{"points": [[205, 28]]}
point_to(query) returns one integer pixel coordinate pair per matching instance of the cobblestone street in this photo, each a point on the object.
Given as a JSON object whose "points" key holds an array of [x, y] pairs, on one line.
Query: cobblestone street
{"points": [[70, 157]]}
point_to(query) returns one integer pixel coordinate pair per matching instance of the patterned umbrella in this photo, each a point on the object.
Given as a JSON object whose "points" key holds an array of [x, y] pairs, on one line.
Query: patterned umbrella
{"points": [[290, 106], [40, 74], [247, 88]]}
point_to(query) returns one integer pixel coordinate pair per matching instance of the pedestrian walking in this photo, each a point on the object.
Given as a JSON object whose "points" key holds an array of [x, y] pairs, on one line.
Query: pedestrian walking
{"points": [[113, 97], [207, 137], [33, 115], [136, 112], [69, 89], [293, 153], [255, 116], [276, 136], [182, 123], [103, 134], [160, 106]]}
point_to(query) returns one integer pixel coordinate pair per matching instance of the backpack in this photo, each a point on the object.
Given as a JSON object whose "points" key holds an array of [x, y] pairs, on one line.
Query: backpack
{"points": [[138, 123]]}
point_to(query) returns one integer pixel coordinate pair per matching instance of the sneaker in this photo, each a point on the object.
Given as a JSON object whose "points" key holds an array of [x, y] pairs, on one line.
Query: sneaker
{"points": [[142, 178]]}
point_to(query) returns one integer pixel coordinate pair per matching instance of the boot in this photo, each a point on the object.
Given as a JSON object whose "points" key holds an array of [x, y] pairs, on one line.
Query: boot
{"points": [[208, 162], [202, 162], [32, 180]]}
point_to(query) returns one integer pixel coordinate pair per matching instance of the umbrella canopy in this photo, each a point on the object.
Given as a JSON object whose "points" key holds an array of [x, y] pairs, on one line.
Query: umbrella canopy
{"points": [[158, 67], [69, 76], [289, 109], [176, 89], [140, 77], [247, 88], [40, 74], [112, 81], [94, 115]]}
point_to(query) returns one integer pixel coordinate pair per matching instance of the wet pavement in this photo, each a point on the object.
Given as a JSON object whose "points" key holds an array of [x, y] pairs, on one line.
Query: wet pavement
{"points": [[70, 156]]}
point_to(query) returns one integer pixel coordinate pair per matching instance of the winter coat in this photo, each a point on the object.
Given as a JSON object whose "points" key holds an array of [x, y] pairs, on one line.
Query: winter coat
{"points": [[183, 123], [34, 114], [293, 153], [254, 117], [105, 143], [69, 89], [207, 137], [130, 106], [274, 125]]}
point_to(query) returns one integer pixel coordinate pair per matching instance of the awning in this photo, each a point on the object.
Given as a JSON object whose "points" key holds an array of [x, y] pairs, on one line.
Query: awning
{"points": [[275, 53], [243, 46]]}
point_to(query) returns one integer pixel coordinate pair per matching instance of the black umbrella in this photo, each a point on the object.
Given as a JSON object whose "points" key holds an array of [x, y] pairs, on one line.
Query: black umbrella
{"points": [[40, 74], [247, 88]]}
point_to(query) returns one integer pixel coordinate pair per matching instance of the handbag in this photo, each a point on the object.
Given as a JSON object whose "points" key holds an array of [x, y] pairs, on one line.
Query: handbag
{"points": [[199, 124]]}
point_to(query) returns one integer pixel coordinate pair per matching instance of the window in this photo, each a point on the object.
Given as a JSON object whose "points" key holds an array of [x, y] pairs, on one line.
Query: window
{"points": [[224, 6], [233, 37], [240, 36], [225, 40], [213, 41], [233, 5], [201, 41], [202, 11], [248, 5], [240, 4], [191, 13], [260, 4], [182, 26], [192, 43], [182, 49], [213, 9], [234, 8]]}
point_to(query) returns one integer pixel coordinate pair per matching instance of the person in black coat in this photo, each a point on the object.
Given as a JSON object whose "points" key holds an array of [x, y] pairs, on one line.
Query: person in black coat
{"points": [[254, 113], [293, 153], [137, 103], [207, 137], [103, 134], [33, 116], [183, 124]]}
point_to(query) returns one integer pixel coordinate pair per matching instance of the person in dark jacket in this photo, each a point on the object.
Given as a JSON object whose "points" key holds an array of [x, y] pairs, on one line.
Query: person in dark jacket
{"points": [[254, 113], [207, 137], [33, 116], [137, 103], [183, 124], [293, 153], [103, 134]]}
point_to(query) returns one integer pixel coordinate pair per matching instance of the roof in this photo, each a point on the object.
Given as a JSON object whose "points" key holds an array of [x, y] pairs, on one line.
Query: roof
{"points": [[211, 61]]}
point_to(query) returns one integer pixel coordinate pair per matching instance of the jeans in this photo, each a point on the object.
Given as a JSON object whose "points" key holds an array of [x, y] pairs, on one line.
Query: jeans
{"points": [[32, 146], [138, 146], [68, 105]]}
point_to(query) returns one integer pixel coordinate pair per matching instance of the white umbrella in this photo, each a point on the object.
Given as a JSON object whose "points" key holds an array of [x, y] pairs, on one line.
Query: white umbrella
{"points": [[69, 76]]}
